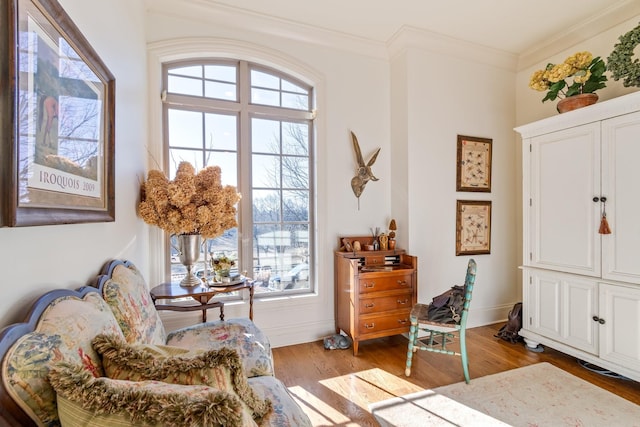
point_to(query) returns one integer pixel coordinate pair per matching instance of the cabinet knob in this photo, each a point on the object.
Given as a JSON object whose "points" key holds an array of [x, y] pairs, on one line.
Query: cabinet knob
{"points": [[402, 282], [369, 325], [402, 302], [403, 321], [369, 285], [597, 319], [596, 199], [369, 305]]}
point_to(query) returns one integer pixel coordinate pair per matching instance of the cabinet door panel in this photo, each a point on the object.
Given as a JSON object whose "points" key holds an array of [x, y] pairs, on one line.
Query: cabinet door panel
{"points": [[561, 306], [579, 305], [620, 180], [543, 304], [564, 179], [620, 312]]}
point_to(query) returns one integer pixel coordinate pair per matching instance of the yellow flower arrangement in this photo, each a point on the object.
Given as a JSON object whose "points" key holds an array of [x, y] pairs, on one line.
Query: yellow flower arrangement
{"points": [[191, 203], [222, 264], [587, 72]]}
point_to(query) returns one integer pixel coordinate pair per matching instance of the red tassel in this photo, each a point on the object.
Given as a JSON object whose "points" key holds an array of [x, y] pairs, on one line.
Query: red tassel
{"points": [[604, 225]]}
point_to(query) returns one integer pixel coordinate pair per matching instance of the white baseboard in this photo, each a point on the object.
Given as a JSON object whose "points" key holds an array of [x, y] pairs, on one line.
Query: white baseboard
{"points": [[301, 332]]}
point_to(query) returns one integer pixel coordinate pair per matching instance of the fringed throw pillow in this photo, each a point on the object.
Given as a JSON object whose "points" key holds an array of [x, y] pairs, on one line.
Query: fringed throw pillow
{"points": [[221, 369], [84, 400]]}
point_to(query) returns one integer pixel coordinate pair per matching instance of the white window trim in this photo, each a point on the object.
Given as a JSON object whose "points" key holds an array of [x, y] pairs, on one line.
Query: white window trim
{"points": [[190, 48]]}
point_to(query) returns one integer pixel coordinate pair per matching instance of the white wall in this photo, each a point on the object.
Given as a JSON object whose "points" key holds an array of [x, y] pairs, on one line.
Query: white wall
{"points": [[36, 259], [449, 92]]}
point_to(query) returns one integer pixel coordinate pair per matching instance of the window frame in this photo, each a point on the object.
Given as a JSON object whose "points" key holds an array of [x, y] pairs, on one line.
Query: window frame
{"points": [[245, 111]]}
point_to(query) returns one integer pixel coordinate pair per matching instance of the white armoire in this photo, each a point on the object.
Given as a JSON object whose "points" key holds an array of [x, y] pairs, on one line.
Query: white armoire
{"points": [[581, 289]]}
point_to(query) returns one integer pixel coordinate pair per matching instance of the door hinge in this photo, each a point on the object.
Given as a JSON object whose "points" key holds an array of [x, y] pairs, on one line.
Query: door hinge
{"points": [[530, 149], [530, 280], [530, 256], [530, 202], [530, 321]]}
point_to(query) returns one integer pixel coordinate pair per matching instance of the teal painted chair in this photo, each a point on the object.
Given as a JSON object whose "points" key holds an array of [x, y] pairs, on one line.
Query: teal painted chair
{"points": [[441, 334]]}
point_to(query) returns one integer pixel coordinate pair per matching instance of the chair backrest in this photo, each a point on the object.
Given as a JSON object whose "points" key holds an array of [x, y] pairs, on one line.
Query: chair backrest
{"points": [[469, 282]]}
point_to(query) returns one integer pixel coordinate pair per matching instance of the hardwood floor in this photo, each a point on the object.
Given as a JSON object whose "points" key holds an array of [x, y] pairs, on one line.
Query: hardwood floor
{"points": [[335, 388]]}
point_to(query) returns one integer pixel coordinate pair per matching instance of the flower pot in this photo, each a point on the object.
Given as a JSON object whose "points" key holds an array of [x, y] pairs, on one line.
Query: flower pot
{"points": [[576, 101]]}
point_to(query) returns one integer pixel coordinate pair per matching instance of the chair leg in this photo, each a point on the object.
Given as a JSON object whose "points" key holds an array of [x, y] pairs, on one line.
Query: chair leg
{"points": [[412, 337], [463, 354]]}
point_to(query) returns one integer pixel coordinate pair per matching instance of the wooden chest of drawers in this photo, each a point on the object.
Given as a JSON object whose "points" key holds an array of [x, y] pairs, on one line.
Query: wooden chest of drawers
{"points": [[375, 291]]}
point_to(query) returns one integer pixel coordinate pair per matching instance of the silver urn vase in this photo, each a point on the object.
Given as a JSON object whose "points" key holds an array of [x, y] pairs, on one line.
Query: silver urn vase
{"points": [[188, 247]]}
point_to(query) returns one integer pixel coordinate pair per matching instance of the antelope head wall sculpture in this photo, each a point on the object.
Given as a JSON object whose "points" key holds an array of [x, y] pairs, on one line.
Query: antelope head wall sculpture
{"points": [[363, 172]]}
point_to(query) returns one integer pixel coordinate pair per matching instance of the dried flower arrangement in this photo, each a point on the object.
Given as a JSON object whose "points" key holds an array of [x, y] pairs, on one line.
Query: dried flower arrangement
{"points": [[191, 203]]}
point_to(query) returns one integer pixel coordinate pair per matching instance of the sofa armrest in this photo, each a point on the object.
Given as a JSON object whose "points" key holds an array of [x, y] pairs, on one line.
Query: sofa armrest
{"points": [[242, 335]]}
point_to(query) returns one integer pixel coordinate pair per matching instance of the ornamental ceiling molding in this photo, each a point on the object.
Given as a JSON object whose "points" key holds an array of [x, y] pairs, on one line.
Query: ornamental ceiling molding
{"points": [[597, 24], [408, 38], [225, 17]]}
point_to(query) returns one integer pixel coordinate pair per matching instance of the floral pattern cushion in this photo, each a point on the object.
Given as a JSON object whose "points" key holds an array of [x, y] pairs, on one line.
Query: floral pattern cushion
{"points": [[64, 332], [286, 412], [127, 293], [220, 369], [242, 335], [87, 400]]}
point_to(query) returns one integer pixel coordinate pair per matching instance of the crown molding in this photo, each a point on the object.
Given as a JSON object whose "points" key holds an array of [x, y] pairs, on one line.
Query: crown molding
{"points": [[232, 18], [414, 38], [616, 14]]}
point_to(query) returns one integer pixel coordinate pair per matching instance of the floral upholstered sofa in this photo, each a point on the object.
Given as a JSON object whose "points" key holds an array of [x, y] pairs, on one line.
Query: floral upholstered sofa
{"points": [[100, 356]]}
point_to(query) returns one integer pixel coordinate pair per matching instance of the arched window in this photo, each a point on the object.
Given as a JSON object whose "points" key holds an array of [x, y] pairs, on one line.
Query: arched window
{"points": [[256, 123]]}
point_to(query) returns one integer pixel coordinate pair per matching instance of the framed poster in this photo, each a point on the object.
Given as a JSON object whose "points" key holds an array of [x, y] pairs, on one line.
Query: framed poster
{"points": [[473, 164], [56, 121], [473, 227]]}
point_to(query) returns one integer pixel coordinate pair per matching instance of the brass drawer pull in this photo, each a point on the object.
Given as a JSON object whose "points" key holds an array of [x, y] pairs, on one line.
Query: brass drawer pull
{"points": [[402, 282], [369, 305], [369, 285], [403, 321], [369, 325], [402, 302]]}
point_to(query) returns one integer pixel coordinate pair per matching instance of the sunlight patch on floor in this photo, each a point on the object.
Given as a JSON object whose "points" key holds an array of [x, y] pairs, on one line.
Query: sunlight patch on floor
{"points": [[319, 412], [354, 393], [372, 385]]}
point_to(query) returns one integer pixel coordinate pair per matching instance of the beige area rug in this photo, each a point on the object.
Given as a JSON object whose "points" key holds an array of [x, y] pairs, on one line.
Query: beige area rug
{"points": [[533, 396]]}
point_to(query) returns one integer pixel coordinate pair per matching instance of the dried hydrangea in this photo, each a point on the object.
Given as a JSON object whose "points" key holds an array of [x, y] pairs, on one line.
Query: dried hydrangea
{"points": [[191, 203]]}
